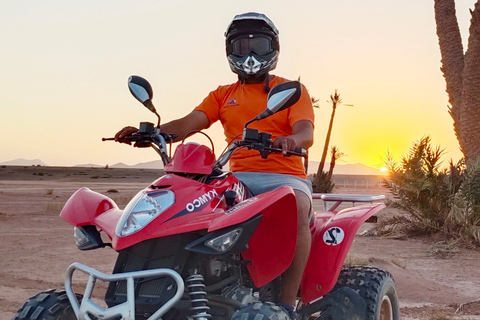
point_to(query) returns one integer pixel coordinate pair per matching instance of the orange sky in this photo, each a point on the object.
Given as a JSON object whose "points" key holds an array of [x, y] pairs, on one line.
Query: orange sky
{"points": [[65, 65]]}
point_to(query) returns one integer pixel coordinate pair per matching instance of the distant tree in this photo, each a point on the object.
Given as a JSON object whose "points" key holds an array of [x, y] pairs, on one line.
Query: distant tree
{"points": [[462, 74], [315, 103], [335, 101], [336, 155]]}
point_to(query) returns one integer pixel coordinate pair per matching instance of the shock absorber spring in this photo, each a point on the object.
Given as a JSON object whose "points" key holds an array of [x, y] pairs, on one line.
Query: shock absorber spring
{"points": [[198, 297]]}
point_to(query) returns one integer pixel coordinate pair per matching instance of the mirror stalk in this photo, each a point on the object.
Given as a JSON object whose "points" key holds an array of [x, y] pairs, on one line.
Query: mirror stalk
{"points": [[149, 105]]}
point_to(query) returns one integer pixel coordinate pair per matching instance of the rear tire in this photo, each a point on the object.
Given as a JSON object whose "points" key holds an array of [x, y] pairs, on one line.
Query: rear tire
{"points": [[266, 310], [47, 305], [376, 287]]}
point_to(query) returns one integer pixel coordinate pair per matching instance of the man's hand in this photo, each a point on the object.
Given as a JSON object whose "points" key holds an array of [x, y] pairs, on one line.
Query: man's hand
{"points": [[284, 143], [126, 131]]}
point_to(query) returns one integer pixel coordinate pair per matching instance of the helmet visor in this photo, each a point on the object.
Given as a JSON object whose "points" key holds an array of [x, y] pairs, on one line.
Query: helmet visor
{"points": [[245, 45]]}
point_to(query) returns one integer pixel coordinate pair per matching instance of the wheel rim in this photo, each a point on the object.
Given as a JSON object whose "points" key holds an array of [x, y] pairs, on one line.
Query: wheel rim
{"points": [[386, 310]]}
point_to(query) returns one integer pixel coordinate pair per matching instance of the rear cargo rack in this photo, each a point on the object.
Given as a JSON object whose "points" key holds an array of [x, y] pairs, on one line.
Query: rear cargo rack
{"points": [[339, 198]]}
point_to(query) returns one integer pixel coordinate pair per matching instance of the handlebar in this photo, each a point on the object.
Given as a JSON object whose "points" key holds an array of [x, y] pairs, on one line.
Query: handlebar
{"points": [[252, 139], [132, 138], [149, 136], [260, 146]]}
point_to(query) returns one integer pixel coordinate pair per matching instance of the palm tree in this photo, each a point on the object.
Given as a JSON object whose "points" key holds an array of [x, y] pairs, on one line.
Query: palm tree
{"points": [[334, 100], [336, 155], [462, 74]]}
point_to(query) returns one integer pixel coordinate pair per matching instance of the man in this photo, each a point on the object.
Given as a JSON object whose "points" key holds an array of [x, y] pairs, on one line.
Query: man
{"points": [[252, 49]]}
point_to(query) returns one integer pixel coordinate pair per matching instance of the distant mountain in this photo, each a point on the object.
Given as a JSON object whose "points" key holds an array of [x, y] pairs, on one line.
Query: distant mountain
{"points": [[350, 169], [156, 164], [24, 162]]}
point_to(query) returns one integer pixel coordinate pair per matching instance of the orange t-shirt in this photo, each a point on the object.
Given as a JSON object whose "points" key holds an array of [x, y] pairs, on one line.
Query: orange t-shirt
{"points": [[237, 103]]}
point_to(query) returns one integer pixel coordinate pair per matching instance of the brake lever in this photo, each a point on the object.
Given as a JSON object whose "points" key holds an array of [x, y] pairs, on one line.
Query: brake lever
{"points": [[132, 138], [298, 151]]}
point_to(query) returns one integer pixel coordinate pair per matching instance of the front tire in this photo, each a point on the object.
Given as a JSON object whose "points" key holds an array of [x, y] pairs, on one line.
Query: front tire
{"points": [[376, 287], [259, 310], [47, 305]]}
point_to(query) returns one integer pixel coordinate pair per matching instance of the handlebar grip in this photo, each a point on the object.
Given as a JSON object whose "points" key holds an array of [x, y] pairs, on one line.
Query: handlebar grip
{"points": [[300, 150], [131, 138]]}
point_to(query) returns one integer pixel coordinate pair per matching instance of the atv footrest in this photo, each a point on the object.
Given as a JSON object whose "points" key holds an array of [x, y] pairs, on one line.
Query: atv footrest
{"points": [[341, 304]]}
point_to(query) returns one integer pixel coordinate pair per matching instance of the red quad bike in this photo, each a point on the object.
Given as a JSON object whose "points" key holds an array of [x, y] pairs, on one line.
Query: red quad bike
{"points": [[195, 244]]}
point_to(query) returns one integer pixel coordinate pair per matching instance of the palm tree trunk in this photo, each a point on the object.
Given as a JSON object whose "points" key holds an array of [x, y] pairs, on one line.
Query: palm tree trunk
{"points": [[327, 140], [318, 177], [470, 119], [462, 74], [451, 50]]}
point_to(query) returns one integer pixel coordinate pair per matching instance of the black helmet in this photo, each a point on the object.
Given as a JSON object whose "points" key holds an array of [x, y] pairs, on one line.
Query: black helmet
{"points": [[252, 45]]}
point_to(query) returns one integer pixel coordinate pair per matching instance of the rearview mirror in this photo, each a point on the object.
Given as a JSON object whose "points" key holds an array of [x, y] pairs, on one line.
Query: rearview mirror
{"points": [[281, 97], [142, 91]]}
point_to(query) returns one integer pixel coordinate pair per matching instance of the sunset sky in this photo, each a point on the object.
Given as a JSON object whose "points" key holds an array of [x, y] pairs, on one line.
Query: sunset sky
{"points": [[64, 68]]}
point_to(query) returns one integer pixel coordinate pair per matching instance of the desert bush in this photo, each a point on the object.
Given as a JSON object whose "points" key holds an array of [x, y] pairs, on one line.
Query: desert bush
{"points": [[324, 184], [419, 187], [464, 213], [435, 200]]}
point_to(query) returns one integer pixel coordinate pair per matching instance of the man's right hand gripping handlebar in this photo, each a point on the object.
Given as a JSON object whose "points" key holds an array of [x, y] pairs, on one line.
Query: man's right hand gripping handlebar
{"points": [[125, 132]]}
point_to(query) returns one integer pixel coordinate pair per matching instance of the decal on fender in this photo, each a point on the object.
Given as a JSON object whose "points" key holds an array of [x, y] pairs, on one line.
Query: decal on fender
{"points": [[239, 205], [203, 199], [333, 236]]}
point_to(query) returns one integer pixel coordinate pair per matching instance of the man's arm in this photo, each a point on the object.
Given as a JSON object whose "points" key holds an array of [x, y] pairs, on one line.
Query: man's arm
{"points": [[195, 120], [302, 136]]}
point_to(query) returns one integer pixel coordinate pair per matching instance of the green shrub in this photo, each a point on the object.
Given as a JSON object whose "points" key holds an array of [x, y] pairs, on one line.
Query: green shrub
{"points": [[464, 215], [323, 185], [434, 199]]}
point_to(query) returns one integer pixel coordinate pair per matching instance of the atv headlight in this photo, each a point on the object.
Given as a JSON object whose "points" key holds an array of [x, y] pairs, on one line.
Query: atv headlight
{"points": [[87, 237], [142, 209], [224, 242]]}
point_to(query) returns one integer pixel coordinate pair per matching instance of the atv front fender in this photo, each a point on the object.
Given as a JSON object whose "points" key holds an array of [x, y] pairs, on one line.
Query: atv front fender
{"points": [[87, 207], [272, 246], [332, 236]]}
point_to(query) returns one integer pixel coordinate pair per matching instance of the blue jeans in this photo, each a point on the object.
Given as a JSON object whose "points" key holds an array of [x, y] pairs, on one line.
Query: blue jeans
{"points": [[261, 182]]}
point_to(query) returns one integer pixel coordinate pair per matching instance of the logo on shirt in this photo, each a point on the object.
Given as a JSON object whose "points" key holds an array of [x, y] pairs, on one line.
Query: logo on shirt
{"points": [[231, 103]]}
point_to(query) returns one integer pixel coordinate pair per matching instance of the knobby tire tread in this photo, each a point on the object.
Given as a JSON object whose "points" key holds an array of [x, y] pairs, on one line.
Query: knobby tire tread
{"points": [[47, 305]]}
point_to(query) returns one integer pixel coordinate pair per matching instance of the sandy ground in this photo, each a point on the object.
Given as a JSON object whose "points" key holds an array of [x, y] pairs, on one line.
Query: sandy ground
{"points": [[37, 246]]}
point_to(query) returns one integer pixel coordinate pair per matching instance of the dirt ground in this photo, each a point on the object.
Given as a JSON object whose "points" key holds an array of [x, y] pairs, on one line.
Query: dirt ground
{"points": [[37, 246]]}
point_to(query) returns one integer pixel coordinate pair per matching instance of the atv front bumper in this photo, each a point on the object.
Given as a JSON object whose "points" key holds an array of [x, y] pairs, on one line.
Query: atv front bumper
{"points": [[127, 309]]}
